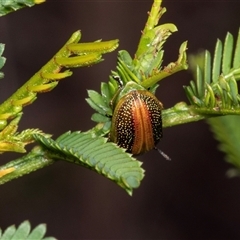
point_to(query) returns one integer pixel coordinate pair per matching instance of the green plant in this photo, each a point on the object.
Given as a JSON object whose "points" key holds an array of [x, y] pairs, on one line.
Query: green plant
{"points": [[213, 93], [24, 232]]}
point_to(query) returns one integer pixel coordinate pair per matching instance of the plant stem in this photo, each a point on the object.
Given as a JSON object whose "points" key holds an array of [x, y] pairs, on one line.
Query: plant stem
{"points": [[31, 162], [179, 114], [182, 113]]}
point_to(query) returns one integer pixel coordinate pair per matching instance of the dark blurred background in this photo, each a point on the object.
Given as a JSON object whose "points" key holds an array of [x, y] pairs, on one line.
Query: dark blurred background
{"points": [[187, 198]]}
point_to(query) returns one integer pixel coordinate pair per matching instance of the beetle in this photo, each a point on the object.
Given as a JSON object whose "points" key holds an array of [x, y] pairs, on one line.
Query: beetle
{"points": [[136, 121]]}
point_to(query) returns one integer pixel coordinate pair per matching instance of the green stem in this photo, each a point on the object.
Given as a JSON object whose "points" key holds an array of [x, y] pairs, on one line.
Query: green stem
{"points": [[166, 72], [153, 18], [182, 113], [217, 111], [152, 21], [31, 162], [171, 68], [36, 159], [179, 114]]}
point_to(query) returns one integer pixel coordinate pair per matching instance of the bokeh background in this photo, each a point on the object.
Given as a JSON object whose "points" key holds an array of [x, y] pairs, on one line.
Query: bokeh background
{"points": [[187, 198]]}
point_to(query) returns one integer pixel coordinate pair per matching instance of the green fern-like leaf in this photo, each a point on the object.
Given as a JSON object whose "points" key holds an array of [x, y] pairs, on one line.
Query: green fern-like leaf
{"points": [[24, 232], [8, 6], [12, 141], [97, 154], [226, 130], [72, 54], [215, 87], [215, 92], [2, 59]]}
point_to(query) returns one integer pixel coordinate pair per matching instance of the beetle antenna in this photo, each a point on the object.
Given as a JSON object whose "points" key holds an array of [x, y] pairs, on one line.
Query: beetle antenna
{"points": [[119, 80], [163, 154]]}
